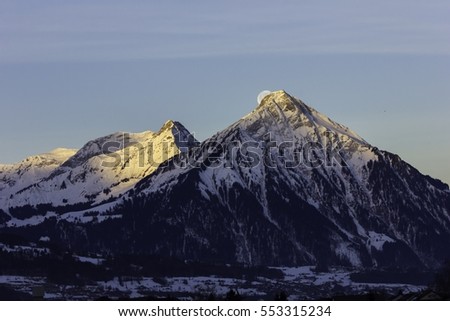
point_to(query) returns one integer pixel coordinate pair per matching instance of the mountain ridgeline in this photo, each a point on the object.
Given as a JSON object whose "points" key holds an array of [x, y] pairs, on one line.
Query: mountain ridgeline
{"points": [[284, 185]]}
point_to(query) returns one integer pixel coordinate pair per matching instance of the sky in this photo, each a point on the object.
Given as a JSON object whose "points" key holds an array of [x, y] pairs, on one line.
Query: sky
{"points": [[71, 71]]}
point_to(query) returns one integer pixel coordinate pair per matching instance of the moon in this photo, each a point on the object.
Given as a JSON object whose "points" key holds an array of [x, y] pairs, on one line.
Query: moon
{"points": [[262, 94]]}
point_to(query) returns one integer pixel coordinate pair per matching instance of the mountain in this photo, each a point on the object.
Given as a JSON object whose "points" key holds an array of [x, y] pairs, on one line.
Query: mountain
{"points": [[100, 171], [284, 185], [13, 177]]}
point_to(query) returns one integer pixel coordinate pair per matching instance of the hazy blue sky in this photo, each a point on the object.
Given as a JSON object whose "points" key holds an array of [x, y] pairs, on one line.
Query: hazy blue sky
{"points": [[71, 71]]}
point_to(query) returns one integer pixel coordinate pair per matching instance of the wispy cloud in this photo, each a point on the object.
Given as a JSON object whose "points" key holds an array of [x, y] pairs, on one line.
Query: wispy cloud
{"points": [[113, 30]]}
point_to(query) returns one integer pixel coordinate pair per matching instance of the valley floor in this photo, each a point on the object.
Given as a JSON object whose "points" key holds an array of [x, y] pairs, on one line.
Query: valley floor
{"points": [[299, 283]]}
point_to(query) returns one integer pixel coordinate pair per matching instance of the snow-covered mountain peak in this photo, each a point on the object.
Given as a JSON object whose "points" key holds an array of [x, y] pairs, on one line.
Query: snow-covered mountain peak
{"points": [[283, 100], [278, 95], [292, 115], [169, 124], [103, 168], [30, 170], [52, 158], [181, 136], [173, 126], [55, 156]]}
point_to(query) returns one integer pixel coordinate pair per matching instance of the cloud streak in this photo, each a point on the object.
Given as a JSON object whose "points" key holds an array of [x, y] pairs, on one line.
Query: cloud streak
{"points": [[112, 30]]}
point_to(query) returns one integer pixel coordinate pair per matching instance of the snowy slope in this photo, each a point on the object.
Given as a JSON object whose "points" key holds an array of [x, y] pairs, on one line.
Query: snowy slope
{"points": [[284, 185], [15, 177], [359, 206], [102, 169]]}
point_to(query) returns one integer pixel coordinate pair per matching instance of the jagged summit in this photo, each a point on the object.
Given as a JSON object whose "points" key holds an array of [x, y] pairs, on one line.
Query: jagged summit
{"points": [[103, 168], [174, 126], [181, 136], [282, 109], [170, 124], [277, 95]]}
